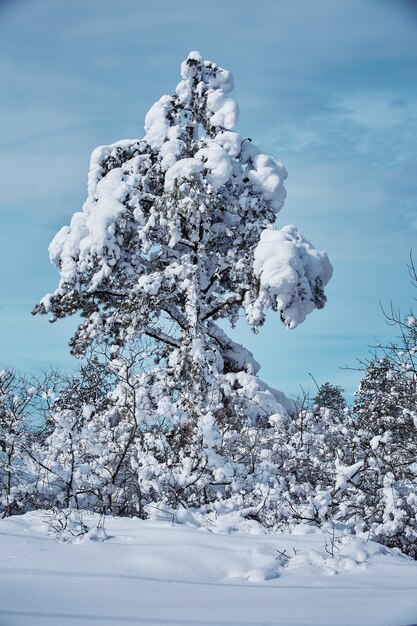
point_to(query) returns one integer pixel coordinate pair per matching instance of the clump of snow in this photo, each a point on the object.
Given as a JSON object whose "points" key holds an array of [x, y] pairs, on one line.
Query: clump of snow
{"points": [[190, 65], [266, 174], [225, 110], [260, 397], [217, 162], [170, 152], [345, 474], [157, 123], [183, 169], [230, 141], [336, 556], [91, 231], [292, 274], [98, 157]]}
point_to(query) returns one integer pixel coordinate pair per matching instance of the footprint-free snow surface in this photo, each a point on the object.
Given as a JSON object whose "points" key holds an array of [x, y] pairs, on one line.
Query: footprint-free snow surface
{"points": [[154, 573]]}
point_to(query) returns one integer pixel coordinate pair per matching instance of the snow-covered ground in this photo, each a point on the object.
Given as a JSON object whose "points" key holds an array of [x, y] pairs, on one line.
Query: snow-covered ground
{"points": [[154, 573]]}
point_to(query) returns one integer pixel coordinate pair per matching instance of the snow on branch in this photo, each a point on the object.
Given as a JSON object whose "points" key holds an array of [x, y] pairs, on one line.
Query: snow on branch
{"points": [[292, 275], [184, 220]]}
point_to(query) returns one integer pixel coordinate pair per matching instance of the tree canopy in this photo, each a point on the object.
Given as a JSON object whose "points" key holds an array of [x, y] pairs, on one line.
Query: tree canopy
{"points": [[178, 232]]}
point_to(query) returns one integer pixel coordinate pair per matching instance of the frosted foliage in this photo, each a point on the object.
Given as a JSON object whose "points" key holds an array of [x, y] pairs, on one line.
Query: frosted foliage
{"points": [[125, 176], [177, 233]]}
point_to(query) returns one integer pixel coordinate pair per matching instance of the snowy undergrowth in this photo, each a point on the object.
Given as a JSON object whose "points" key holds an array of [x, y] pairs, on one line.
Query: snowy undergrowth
{"points": [[221, 572]]}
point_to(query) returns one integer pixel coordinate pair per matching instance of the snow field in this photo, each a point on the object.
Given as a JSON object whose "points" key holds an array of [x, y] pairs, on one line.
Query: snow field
{"points": [[154, 573]]}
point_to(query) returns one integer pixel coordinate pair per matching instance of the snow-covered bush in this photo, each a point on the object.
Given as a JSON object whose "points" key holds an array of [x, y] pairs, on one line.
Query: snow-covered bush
{"points": [[24, 403], [302, 457], [385, 502], [356, 467], [88, 455]]}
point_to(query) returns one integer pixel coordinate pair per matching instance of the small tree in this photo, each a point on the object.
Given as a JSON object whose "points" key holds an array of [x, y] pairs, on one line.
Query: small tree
{"points": [[88, 455], [329, 397], [177, 234], [64, 453], [386, 429], [313, 449], [24, 405]]}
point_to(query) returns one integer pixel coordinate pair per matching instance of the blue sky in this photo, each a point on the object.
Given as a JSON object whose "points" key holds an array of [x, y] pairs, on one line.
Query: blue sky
{"points": [[328, 87]]}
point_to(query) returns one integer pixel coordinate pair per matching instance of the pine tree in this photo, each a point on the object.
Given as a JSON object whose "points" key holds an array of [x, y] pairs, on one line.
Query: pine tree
{"points": [[177, 234], [330, 397]]}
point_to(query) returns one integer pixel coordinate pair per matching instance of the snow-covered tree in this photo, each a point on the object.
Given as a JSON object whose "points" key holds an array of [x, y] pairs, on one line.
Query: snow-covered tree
{"points": [[87, 456], [329, 397], [24, 403], [177, 234], [385, 410], [64, 452], [386, 438], [13, 440], [312, 449]]}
